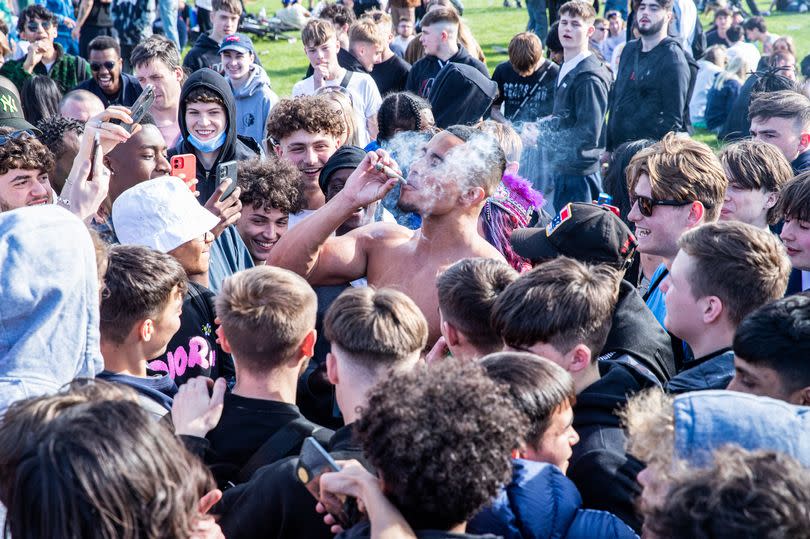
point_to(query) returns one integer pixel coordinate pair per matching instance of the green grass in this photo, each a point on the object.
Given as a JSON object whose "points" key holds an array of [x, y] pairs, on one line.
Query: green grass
{"points": [[493, 27]]}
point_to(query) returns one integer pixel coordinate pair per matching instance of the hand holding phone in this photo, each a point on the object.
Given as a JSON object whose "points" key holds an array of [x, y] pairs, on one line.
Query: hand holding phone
{"points": [[139, 108], [184, 166], [313, 462], [227, 170]]}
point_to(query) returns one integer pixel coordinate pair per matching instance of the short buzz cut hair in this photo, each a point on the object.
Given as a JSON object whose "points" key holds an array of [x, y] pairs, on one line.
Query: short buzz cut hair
{"points": [[794, 199], [316, 32], [377, 328], [744, 266], [308, 113], [562, 303], [138, 285], [365, 30], [467, 293], [777, 336], [24, 152], [442, 15], [782, 104], [538, 387], [681, 169], [154, 48], [579, 8], [103, 43], [266, 312], [270, 184], [525, 51], [755, 165]]}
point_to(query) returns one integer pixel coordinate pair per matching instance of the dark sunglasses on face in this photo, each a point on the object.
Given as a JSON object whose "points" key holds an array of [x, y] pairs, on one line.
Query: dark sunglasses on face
{"points": [[23, 133], [108, 65], [647, 204], [33, 26]]}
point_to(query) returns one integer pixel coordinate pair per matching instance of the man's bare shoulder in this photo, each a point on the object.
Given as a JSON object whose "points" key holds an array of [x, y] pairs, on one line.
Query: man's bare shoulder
{"points": [[382, 233]]}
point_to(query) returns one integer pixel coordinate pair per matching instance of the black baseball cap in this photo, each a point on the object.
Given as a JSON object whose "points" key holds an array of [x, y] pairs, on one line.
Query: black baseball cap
{"points": [[586, 232], [11, 113]]}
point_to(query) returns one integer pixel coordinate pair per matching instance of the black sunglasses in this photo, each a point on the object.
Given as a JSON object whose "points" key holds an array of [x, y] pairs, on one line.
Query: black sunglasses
{"points": [[33, 26], [23, 133], [647, 204], [108, 65]]}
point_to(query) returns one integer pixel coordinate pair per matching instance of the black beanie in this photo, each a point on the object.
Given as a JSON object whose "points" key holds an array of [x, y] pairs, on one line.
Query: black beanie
{"points": [[345, 157]]}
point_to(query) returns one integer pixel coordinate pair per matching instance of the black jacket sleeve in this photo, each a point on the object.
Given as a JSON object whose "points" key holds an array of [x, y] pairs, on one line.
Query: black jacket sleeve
{"points": [[673, 77]]}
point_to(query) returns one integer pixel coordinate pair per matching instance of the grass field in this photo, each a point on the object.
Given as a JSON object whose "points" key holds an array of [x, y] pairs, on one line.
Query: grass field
{"points": [[493, 26]]}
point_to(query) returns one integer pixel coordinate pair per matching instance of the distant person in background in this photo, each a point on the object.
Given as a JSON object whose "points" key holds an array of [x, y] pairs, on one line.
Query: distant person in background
{"points": [[756, 31], [746, 51], [94, 19], [616, 34], [404, 36], [293, 14], [390, 72], [109, 82], [40, 98], [721, 96], [712, 64], [132, 21], [224, 22], [717, 34], [80, 105]]}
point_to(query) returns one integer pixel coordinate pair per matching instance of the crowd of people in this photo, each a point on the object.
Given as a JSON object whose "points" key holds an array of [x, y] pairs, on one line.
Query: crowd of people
{"points": [[414, 298]]}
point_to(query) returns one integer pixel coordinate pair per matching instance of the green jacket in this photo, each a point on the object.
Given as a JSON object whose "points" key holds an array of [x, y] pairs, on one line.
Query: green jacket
{"points": [[66, 72]]}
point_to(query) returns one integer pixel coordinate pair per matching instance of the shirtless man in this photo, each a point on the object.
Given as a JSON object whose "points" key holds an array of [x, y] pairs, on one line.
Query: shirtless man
{"points": [[447, 186]]}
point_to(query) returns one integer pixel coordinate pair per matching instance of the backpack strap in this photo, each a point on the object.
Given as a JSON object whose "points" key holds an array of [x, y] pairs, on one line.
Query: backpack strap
{"points": [[531, 93], [278, 446], [346, 78]]}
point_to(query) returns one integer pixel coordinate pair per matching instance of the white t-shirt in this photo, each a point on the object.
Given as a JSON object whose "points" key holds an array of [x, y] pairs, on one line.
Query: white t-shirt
{"points": [[569, 66], [747, 51], [205, 4], [366, 97]]}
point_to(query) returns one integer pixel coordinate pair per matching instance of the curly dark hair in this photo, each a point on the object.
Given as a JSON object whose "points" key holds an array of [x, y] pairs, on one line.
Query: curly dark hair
{"points": [[310, 113], [34, 11], [760, 494], [337, 14], [271, 183], [403, 111], [24, 152], [441, 441], [54, 129]]}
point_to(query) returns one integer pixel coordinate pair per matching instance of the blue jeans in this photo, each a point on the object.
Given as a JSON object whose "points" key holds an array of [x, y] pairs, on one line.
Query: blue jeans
{"points": [[168, 16], [572, 188], [538, 19]]}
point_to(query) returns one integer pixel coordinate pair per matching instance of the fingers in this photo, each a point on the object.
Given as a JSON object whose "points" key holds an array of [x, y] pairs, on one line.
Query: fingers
{"points": [[218, 394], [209, 500]]}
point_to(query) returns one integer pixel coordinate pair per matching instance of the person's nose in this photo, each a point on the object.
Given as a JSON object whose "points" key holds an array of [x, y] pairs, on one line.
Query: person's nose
{"points": [[634, 215], [787, 232], [162, 165]]}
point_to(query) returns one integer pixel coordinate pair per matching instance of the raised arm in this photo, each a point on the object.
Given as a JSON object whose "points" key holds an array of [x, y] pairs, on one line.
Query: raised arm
{"points": [[309, 248]]}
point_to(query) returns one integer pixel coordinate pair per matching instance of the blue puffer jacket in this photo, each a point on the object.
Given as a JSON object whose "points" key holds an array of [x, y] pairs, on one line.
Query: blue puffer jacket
{"points": [[540, 503]]}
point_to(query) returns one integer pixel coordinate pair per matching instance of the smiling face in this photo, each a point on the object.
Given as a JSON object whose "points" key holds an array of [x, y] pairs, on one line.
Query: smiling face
{"points": [[574, 32], [142, 157], [796, 236], [260, 229], [658, 234], [309, 152], [206, 121], [237, 63], [24, 187], [106, 68], [652, 17], [165, 80]]}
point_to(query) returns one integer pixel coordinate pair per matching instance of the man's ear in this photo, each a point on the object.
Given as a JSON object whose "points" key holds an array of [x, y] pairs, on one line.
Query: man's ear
{"points": [[804, 142], [579, 358], [107, 163], [697, 213], [712, 309], [771, 200], [332, 369], [307, 348], [178, 72], [277, 149], [146, 329], [474, 196], [512, 168], [223, 341], [801, 397], [450, 333]]}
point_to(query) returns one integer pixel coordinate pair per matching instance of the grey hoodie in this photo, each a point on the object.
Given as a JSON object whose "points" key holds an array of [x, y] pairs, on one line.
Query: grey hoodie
{"points": [[253, 103], [49, 295]]}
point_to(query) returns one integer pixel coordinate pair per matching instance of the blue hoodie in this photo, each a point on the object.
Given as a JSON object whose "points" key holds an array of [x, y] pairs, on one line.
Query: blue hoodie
{"points": [[49, 294], [253, 103], [540, 502], [707, 420]]}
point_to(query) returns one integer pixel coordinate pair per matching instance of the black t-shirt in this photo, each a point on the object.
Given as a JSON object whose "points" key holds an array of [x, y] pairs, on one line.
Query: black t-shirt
{"points": [[513, 89], [193, 351], [245, 425], [391, 75]]}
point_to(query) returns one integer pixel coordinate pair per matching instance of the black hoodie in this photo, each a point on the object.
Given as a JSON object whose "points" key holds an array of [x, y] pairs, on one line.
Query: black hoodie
{"points": [[600, 467], [423, 72], [235, 148]]}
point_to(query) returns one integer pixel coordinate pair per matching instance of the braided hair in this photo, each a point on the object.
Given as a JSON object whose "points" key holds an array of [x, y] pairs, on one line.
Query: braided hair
{"points": [[401, 111]]}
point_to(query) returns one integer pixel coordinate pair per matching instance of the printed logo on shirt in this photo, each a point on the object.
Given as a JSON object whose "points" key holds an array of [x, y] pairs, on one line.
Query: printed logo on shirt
{"points": [[199, 353]]}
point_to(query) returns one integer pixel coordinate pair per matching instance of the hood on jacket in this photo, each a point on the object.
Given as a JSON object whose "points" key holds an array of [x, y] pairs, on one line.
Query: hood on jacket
{"points": [[541, 502], [708, 420], [596, 404], [257, 80], [213, 81], [49, 321]]}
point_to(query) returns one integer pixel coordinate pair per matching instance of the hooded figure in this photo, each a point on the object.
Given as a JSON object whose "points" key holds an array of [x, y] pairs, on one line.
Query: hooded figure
{"points": [[254, 99], [50, 316], [235, 148]]}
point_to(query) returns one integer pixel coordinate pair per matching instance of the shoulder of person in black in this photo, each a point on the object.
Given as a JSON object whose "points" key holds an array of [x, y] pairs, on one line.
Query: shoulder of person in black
{"points": [[391, 75], [246, 424], [275, 504]]}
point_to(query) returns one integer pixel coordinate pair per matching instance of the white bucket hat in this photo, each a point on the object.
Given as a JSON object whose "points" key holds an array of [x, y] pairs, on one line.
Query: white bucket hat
{"points": [[161, 214]]}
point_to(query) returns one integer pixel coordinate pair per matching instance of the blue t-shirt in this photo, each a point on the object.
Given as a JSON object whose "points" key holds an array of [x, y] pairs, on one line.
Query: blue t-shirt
{"points": [[655, 296]]}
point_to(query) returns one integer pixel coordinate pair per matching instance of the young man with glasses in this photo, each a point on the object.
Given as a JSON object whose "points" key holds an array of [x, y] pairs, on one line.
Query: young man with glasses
{"points": [[109, 83], [37, 25], [675, 185]]}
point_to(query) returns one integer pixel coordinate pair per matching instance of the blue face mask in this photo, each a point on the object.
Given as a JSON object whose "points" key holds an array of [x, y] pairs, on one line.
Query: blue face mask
{"points": [[207, 146]]}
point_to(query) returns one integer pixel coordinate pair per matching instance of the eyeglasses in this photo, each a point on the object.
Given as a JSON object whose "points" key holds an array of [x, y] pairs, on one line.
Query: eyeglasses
{"points": [[33, 26], [108, 65], [646, 204], [14, 135]]}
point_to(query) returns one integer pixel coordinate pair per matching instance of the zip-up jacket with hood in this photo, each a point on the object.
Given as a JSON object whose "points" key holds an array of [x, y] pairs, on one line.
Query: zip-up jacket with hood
{"points": [[205, 53], [254, 100], [600, 467], [49, 320], [423, 72], [578, 117], [651, 95], [235, 148]]}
